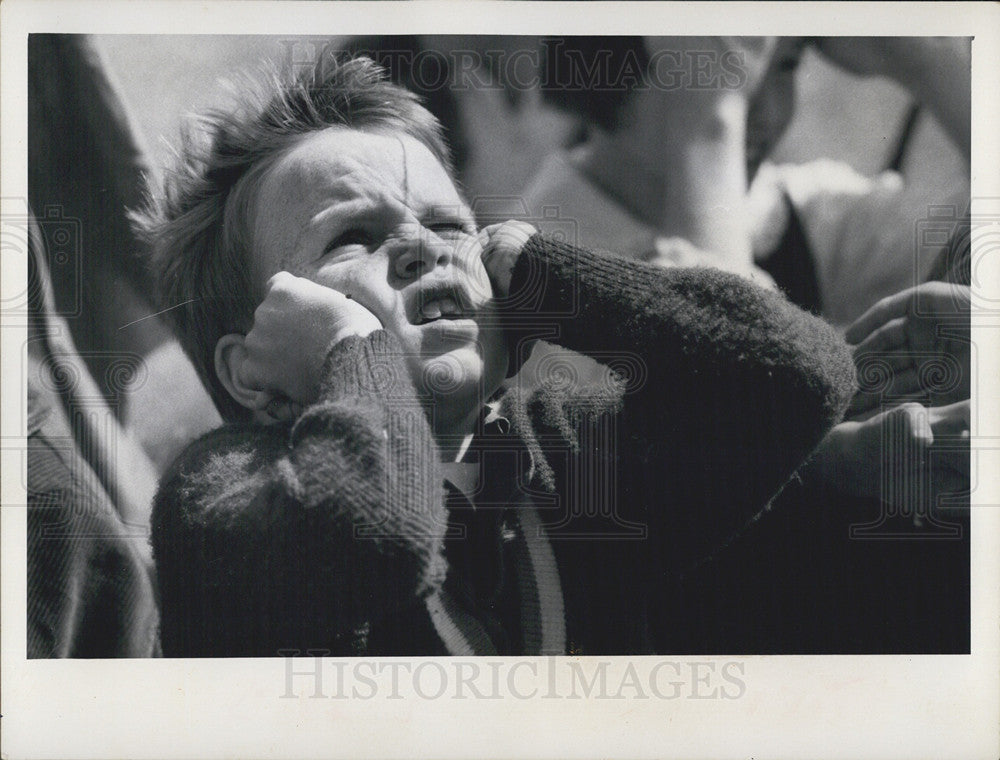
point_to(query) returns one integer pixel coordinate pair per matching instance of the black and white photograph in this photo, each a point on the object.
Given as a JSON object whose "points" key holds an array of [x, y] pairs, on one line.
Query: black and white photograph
{"points": [[502, 368]]}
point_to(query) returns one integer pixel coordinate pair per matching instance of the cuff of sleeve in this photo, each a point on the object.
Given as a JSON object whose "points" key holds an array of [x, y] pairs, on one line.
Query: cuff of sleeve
{"points": [[530, 276], [534, 296], [547, 276], [365, 366]]}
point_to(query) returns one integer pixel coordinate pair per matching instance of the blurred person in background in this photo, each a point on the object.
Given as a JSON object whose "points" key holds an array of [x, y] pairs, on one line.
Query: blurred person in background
{"points": [[89, 480], [837, 240], [843, 245], [658, 173]]}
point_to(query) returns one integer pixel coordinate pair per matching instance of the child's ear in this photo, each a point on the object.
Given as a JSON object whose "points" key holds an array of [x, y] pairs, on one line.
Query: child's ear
{"points": [[230, 356]]}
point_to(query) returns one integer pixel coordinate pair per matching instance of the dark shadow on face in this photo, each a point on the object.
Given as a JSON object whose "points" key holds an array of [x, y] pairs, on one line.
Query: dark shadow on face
{"points": [[773, 105]]}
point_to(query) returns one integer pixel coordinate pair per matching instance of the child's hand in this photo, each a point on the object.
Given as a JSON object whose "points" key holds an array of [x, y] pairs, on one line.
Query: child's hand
{"points": [[294, 328], [502, 244]]}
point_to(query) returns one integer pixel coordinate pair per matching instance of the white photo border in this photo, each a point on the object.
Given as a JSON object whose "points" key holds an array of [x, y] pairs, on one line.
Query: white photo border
{"points": [[791, 706]]}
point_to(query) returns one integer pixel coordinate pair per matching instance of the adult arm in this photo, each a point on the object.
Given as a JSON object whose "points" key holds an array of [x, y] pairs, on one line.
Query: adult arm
{"points": [[937, 71]]}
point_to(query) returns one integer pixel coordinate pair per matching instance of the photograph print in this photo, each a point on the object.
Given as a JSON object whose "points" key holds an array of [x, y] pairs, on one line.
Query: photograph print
{"points": [[472, 345]]}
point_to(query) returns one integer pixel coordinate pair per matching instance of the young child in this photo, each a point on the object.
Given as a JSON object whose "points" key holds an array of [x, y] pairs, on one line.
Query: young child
{"points": [[371, 493]]}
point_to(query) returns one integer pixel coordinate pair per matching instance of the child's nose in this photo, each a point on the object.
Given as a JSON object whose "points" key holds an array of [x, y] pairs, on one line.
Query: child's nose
{"points": [[421, 254]]}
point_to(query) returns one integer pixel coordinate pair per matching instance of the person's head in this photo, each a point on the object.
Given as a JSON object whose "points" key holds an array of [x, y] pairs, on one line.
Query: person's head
{"points": [[340, 177], [772, 106], [591, 76]]}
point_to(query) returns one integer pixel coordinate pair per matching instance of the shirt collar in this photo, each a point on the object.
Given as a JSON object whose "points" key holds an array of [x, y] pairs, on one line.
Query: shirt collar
{"points": [[465, 475], [494, 423]]}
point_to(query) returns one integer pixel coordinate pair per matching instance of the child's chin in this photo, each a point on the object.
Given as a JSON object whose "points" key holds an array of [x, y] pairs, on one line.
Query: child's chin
{"points": [[456, 374]]}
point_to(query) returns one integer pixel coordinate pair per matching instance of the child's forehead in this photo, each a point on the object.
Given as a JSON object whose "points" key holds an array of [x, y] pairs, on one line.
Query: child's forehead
{"points": [[344, 174], [348, 162]]}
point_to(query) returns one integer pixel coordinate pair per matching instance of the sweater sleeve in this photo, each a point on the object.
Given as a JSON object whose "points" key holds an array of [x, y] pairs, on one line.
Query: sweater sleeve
{"points": [[271, 538], [727, 387]]}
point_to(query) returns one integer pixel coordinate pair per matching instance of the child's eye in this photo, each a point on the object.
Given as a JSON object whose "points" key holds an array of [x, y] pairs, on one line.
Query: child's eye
{"points": [[449, 228], [349, 237]]}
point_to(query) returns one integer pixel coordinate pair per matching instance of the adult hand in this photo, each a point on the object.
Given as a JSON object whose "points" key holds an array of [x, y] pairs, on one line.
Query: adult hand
{"points": [[910, 329], [501, 248], [883, 456], [294, 328]]}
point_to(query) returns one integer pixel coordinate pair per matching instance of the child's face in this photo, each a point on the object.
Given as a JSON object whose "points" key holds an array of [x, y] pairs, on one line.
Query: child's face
{"points": [[377, 217]]}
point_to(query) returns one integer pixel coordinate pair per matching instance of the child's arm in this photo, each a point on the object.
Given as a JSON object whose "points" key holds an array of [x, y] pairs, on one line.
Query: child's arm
{"points": [[294, 536], [737, 385]]}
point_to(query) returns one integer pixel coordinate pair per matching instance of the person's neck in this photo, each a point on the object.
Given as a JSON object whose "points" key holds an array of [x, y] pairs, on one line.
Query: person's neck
{"points": [[678, 167], [616, 165]]}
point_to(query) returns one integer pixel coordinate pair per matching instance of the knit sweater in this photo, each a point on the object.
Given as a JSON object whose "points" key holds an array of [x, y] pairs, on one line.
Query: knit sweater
{"points": [[269, 538]]}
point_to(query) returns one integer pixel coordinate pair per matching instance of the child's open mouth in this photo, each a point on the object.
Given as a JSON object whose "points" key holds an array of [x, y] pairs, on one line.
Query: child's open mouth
{"points": [[441, 308], [441, 300]]}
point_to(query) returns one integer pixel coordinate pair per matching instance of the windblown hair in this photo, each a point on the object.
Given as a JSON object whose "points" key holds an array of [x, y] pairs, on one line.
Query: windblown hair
{"points": [[199, 225]]}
